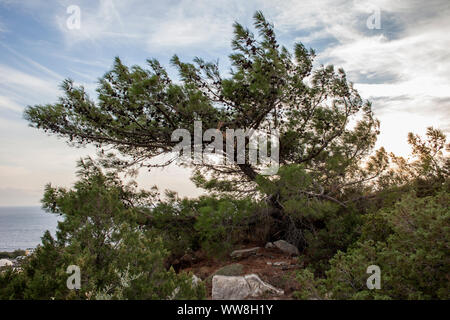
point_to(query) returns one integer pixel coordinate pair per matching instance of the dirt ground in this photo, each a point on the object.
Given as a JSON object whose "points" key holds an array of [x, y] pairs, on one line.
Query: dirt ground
{"points": [[271, 265]]}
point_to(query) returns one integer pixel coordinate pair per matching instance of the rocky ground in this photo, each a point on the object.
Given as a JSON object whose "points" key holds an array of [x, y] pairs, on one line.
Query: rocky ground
{"points": [[273, 266]]}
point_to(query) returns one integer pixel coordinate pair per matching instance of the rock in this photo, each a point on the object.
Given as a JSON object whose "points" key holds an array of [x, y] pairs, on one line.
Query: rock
{"points": [[259, 287], [244, 253], [269, 245], [238, 288], [5, 262], [229, 288], [234, 269], [280, 263], [286, 247]]}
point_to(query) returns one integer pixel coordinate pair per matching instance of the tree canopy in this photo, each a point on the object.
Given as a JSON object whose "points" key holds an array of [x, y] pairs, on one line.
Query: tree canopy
{"points": [[323, 123]]}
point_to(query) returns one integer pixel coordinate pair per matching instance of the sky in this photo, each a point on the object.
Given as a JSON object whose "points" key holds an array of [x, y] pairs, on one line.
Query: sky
{"points": [[397, 53]]}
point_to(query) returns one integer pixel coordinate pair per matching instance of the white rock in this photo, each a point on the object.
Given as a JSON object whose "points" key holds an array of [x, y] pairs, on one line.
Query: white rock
{"points": [[238, 288], [286, 247], [280, 263], [269, 245], [259, 287], [5, 262], [229, 288]]}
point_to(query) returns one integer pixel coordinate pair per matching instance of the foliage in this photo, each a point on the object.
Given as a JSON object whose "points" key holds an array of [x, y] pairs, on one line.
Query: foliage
{"points": [[12, 255], [429, 163], [316, 223], [222, 223], [322, 121], [212, 224], [102, 234], [344, 205], [413, 256]]}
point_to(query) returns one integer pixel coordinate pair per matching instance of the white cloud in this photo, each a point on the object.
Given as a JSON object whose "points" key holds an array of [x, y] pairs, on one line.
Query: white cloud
{"points": [[404, 67], [32, 63], [7, 103], [19, 88], [156, 25]]}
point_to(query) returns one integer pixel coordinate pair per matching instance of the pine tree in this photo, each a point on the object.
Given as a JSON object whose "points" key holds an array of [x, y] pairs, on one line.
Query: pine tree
{"points": [[324, 125]]}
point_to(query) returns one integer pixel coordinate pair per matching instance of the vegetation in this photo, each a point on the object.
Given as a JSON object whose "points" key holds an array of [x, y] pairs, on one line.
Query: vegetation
{"points": [[101, 234], [12, 255], [406, 233], [343, 204], [413, 255], [269, 89]]}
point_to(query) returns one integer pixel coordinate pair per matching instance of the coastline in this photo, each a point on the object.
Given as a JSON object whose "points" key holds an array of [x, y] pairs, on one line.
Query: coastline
{"points": [[22, 228]]}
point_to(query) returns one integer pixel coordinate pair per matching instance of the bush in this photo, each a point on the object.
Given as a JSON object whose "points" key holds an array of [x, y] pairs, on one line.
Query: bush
{"points": [[212, 224], [12, 255], [412, 254], [222, 223], [101, 234]]}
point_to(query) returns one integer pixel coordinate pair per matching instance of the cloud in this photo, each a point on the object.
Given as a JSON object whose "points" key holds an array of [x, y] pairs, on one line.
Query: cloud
{"points": [[403, 68], [33, 63], [18, 88], [9, 104], [151, 23]]}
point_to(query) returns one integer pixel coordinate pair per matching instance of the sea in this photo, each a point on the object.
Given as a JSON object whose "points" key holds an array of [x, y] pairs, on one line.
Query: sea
{"points": [[23, 227]]}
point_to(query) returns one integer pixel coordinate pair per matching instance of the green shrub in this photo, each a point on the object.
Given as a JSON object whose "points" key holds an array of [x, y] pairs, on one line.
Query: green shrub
{"points": [[12, 255], [174, 221], [221, 223], [101, 234], [412, 254]]}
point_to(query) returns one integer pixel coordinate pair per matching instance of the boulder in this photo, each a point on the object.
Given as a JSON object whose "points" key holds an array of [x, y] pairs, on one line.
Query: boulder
{"points": [[5, 263], [238, 288], [269, 245], [234, 269], [229, 288], [259, 287], [280, 263], [244, 253], [286, 247]]}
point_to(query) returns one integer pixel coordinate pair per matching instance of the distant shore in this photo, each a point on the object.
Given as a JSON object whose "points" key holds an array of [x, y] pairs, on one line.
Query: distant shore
{"points": [[12, 254]]}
